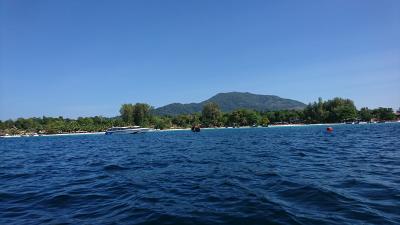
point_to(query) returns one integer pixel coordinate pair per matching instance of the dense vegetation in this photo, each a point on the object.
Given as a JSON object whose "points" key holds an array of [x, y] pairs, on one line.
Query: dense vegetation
{"points": [[228, 102], [331, 111], [52, 125]]}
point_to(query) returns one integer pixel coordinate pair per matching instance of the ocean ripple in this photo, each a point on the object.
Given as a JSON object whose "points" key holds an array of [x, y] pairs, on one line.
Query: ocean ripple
{"points": [[288, 175]]}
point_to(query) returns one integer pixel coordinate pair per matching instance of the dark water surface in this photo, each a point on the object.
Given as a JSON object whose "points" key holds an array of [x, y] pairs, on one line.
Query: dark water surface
{"points": [[291, 175]]}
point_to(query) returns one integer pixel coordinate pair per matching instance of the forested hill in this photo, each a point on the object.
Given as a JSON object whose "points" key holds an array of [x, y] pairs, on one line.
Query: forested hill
{"points": [[231, 101]]}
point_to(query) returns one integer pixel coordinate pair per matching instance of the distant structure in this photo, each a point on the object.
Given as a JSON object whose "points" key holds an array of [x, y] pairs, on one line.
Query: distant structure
{"points": [[196, 128]]}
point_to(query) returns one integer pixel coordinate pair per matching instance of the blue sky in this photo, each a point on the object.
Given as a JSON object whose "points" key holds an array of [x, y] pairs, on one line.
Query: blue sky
{"points": [[84, 58]]}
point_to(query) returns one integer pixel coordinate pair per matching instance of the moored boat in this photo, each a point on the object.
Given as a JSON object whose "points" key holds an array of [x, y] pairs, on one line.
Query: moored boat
{"points": [[127, 130]]}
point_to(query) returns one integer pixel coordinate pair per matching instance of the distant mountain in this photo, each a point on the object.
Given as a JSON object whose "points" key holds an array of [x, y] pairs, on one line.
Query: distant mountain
{"points": [[231, 101]]}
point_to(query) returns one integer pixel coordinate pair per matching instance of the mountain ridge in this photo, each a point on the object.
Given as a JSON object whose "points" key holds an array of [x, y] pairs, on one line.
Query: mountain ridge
{"points": [[230, 101]]}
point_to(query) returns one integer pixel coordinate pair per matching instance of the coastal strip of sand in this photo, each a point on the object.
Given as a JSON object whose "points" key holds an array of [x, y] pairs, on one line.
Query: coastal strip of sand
{"points": [[183, 129]]}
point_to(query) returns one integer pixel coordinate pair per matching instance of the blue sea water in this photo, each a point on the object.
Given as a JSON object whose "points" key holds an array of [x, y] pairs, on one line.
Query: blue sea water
{"points": [[288, 175]]}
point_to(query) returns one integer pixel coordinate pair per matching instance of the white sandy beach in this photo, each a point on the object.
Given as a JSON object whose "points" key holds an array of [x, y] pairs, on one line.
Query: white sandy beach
{"points": [[188, 129]]}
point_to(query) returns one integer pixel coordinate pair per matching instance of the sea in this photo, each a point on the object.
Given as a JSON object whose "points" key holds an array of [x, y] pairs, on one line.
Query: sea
{"points": [[274, 175]]}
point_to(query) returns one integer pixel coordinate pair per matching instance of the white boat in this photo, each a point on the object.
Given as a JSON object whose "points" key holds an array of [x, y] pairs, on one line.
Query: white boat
{"points": [[127, 130]]}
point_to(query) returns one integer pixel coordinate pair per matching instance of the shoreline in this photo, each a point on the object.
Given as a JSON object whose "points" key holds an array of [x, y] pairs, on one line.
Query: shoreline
{"points": [[53, 135], [189, 129]]}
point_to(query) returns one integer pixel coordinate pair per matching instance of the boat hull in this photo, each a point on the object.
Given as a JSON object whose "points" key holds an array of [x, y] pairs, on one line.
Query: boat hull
{"points": [[129, 131]]}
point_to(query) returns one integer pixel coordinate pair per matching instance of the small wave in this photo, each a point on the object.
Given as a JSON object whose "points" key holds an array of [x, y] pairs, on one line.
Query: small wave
{"points": [[60, 200], [16, 175], [6, 196], [301, 154], [313, 197], [113, 167]]}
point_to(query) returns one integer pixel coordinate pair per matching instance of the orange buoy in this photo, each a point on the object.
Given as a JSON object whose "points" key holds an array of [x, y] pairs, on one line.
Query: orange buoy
{"points": [[329, 129]]}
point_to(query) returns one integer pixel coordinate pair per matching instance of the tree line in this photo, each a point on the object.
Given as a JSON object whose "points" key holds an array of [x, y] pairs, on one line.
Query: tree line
{"points": [[336, 110]]}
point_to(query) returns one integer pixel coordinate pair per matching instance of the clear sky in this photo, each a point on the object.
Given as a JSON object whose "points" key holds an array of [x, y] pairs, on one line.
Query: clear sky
{"points": [[84, 58]]}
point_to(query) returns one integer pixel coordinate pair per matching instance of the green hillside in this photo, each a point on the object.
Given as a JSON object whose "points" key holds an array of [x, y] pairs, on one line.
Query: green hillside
{"points": [[231, 101]]}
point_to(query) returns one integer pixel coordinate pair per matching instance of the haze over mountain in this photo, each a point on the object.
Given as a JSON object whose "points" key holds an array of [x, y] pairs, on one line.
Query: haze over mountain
{"points": [[231, 101]]}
